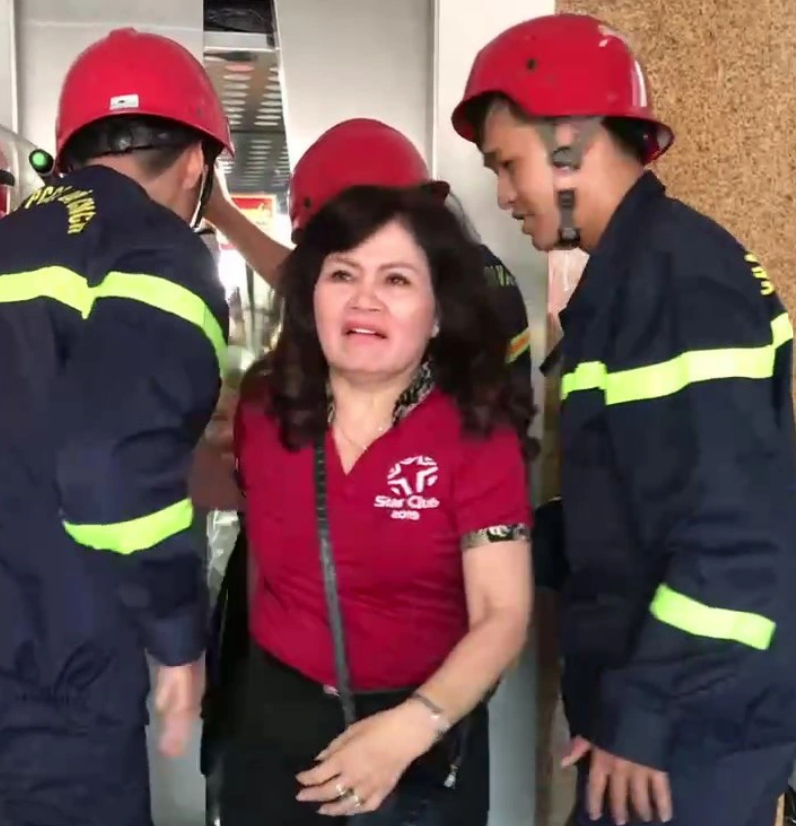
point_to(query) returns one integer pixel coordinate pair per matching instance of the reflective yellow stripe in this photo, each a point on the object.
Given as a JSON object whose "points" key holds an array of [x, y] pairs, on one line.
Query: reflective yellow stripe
{"points": [[135, 534], [518, 345], [58, 283], [69, 288], [693, 617], [167, 296], [669, 377]]}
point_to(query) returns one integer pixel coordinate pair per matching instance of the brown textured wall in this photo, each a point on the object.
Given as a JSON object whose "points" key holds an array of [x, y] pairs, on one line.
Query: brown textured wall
{"points": [[723, 74]]}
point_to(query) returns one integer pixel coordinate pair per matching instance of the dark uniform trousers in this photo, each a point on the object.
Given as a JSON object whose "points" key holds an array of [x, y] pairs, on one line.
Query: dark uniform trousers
{"points": [[61, 766]]}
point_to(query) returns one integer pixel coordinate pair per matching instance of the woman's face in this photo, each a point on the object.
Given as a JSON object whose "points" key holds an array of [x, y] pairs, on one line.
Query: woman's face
{"points": [[374, 306]]}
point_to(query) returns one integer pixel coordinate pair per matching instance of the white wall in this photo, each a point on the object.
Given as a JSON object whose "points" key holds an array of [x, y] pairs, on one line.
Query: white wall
{"points": [[406, 62], [355, 58], [51, 33], [8, 68]]}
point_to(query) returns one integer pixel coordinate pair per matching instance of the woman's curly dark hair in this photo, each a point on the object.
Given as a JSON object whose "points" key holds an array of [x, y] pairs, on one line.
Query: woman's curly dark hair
{"points": [[467, 357]]}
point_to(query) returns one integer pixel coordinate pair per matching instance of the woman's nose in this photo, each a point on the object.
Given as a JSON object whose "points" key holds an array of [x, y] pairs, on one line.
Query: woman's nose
{"points": [[366, 296]]}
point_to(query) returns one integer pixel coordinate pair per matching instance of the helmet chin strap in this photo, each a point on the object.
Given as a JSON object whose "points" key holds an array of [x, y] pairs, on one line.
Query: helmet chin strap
{"points": [[204, 195], [569, 157]]}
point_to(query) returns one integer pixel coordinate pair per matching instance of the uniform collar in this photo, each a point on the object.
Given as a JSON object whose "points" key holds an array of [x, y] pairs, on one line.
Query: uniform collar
{"points": [[421, 386], [625, 227]]}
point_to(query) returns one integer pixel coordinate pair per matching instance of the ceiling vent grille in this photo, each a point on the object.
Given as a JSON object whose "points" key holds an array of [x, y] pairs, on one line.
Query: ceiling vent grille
{"points": [[245, 73]]}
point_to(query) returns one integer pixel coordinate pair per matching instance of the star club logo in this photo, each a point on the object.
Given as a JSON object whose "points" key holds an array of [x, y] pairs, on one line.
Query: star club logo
{"points": [[410, 481]]}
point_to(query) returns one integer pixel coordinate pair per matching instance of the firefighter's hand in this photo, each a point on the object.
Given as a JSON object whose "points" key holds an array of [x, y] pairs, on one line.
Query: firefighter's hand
{"points": [[219, 203], [178, 697], [647, 789]]}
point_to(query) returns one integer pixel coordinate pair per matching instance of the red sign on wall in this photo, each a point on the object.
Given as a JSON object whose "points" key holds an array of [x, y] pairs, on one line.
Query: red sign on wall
{"points": [[259, 209]]}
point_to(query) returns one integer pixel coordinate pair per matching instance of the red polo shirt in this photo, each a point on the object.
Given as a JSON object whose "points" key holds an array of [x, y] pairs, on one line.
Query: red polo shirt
{"points": [[400, 521]]}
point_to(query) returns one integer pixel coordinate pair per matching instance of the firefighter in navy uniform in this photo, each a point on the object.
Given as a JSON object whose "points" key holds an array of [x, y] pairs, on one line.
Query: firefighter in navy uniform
{"points": [[511, 306], [113, 329], [511, 309], [507, 296], [678, 463]]}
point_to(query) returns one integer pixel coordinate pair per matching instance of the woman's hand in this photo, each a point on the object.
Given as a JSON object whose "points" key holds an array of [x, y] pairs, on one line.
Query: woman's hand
{"points": [[358, 769]]}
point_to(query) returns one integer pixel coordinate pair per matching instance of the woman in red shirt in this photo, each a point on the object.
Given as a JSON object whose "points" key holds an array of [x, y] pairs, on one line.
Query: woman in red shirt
{"points": [[384, 413]]}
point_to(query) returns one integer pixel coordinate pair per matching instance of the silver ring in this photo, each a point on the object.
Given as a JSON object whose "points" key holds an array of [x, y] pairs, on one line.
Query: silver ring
{"points": [[341, 790], [355, 799]]}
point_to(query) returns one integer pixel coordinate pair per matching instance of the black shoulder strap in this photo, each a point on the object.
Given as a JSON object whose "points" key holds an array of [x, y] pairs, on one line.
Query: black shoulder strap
{"points": [[330, 587]]}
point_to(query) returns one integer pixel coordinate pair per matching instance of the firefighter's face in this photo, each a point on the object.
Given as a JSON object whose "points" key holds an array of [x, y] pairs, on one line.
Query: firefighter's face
{"points": [[514, 151], [374, 306]]}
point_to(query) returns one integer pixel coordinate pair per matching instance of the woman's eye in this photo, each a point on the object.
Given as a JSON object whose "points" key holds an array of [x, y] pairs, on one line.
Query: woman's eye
{"points": [[397, 279], [339, 275], [507, 165]]}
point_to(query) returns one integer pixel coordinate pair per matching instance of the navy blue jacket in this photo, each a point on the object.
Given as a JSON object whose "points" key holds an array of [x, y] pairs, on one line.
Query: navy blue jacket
{"points": [[678, 484], [510, 305], [113, 330]]}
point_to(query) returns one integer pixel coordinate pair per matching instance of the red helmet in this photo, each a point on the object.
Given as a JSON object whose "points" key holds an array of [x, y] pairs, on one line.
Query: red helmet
{"points": [[353, 153], [134, 73], [563, 65]]}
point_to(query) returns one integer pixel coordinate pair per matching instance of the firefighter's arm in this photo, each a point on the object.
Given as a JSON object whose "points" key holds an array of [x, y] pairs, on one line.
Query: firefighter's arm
{"points": [[511, 308], [514, 317], [138, 391], [696, 438], [261, 252], [519, 352]]}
